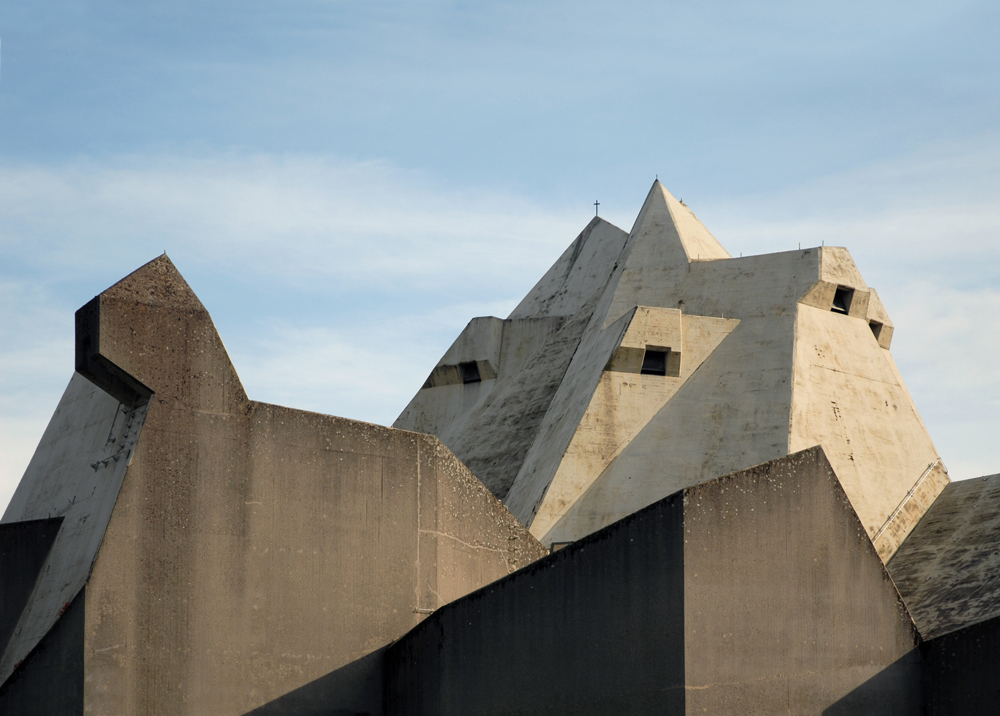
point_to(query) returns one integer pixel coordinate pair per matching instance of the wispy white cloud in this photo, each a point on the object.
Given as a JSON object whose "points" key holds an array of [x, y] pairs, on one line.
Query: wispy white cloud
{"points": [[289, 219]]}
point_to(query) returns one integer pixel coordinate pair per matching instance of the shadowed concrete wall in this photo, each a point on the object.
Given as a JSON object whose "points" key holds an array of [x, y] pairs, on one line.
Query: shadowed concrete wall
{"points": [[50, 679], [23, 549], [253, 549], [596, 628], [962, 671], [760, 592]]}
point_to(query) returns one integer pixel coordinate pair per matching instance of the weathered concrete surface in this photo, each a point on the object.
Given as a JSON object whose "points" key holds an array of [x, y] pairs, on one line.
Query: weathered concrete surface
{"points": [[962, 671], [24, 547], [75, 474], [252, 549], [847, 395], [596, 628], [578, 276], [948, 569], [661, 457], [621, 406], [788, 606], [756, 593], [570, 446], [50, 680]]}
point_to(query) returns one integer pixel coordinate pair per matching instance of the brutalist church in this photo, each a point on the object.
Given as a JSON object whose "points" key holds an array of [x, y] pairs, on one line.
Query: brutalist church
{"points": [[669, 482]]}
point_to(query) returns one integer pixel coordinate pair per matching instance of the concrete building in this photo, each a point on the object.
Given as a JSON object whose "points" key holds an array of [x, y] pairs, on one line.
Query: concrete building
{"points": [[176, 548], [649, 362], [746, 512]]}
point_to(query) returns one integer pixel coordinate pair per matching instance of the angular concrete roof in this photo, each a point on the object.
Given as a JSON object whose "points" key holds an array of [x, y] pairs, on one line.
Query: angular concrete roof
{"points": [[948, 569], [765, 355]]}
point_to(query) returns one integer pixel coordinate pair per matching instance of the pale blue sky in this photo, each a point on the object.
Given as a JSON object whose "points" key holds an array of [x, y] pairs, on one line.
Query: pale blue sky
{"points": [[345, 184]]}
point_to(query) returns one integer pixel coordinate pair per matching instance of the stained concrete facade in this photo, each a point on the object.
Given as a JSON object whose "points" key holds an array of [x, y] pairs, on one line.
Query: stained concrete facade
{"points": [[175, 547], [764, 356], [182, 549], [759, 592]]}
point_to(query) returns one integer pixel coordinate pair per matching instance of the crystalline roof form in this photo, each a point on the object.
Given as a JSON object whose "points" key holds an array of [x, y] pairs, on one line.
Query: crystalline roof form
{"points": [[568, 431]]}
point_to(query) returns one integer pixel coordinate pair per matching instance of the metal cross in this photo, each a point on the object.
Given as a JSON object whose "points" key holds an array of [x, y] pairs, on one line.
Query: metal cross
{"points": [[596, 204]]}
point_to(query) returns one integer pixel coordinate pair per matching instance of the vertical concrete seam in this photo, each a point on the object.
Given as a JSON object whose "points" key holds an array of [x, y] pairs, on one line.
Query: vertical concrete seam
{"points": [[791, 381], [416, 576]]}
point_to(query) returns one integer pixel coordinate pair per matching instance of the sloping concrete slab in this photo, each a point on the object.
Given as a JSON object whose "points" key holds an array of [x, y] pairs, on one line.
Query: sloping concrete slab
{"points": [[948, 569], [75, 473]]}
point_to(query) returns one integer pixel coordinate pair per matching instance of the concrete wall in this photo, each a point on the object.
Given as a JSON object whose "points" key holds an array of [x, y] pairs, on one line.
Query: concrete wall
{"points": [[50, 679], [255, 552], [848, 396], [759, 592], [595, 628], [620, 409], [789, 608], [75, 474], [24, 547]]}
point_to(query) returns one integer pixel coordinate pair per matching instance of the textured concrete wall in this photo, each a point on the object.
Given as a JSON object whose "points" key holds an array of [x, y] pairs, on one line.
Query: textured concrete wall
{"points": [[257, 556], [788, 607], [848, 396], [595, 628], [782, 603], [621, 407]]}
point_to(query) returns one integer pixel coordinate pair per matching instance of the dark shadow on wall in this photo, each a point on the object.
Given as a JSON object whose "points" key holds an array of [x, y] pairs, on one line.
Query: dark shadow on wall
{"points": [[50, 679], [894, 691], [962, 671], [24, 547], [352, 690]]}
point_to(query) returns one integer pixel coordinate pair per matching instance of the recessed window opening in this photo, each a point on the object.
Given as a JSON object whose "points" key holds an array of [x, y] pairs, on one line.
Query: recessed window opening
{"points": [[654, 362], [876, 328], [470, 372], [842, 300]]}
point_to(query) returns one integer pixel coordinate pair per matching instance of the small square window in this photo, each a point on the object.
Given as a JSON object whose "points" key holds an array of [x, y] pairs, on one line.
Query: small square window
{"points": [[470, 372], [654, 362], [876, 328], [842, 300]]}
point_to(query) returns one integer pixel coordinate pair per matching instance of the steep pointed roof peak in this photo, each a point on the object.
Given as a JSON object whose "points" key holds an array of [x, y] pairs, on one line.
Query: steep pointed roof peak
{"points": [[156, 283], [664, 217]]}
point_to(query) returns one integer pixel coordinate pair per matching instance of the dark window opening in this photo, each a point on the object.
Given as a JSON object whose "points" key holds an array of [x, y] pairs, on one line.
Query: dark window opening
{"points": [[842, 300], [470, 372], [654, 363], [876, 328]]}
